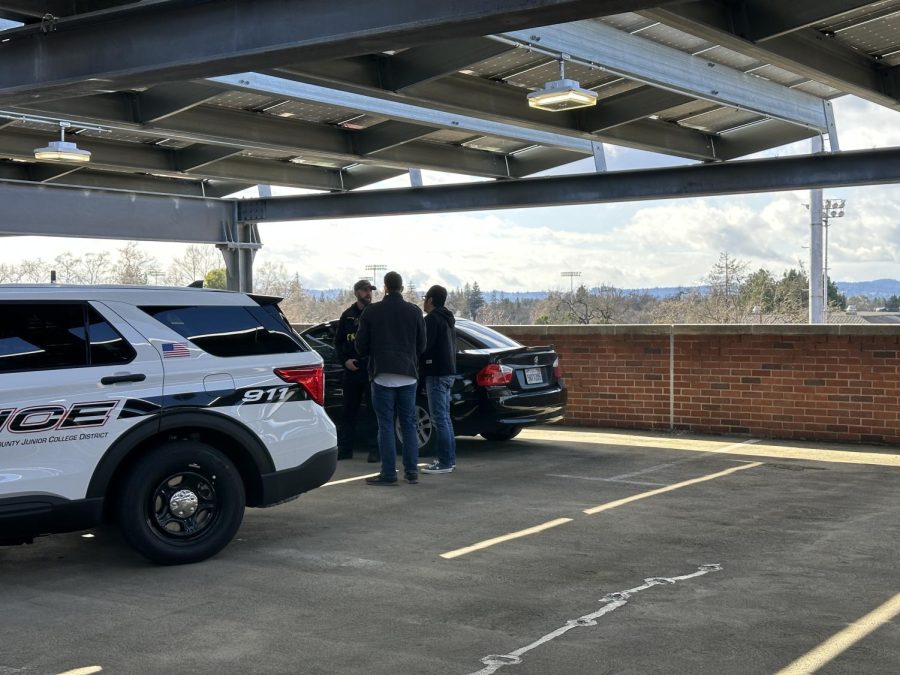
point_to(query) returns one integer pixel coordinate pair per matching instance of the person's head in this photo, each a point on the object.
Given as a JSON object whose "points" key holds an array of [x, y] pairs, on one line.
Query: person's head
{"points": [[393, 283], [435, 297], [362, 289]]}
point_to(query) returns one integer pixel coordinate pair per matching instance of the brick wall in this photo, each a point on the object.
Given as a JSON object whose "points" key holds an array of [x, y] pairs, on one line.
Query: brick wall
{"points": [[833, 383]]}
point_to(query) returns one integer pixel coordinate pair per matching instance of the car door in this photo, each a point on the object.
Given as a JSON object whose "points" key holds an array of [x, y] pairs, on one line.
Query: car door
{"points": [[67, 372]]}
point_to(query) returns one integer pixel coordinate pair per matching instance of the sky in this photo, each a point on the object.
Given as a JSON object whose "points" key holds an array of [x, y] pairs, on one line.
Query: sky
{"points": [[630, 245]]}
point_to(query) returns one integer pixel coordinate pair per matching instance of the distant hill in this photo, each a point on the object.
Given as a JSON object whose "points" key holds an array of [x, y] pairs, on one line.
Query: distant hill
{"points": [[879, 288]]}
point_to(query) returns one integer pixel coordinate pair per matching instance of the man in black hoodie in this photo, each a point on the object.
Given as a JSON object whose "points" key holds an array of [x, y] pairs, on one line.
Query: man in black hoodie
{"points": [[392, 334], [439, 368]]}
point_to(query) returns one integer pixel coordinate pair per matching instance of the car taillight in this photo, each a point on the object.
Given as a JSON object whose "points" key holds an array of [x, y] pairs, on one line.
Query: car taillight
{"points": [[494, 375], [311, 378], [557, 371]]}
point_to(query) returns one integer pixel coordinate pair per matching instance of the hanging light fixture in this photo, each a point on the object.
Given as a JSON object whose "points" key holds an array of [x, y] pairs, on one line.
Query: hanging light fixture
{"points": [[562, 94], [62, 150]]}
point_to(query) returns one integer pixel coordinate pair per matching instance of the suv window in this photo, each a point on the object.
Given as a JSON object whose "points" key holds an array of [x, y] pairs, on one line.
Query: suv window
{"points": [[321, 339], [231, 330], [36, 336]]}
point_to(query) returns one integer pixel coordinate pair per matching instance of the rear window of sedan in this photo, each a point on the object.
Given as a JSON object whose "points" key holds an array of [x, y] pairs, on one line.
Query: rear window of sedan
{"points": [[487, 337]]}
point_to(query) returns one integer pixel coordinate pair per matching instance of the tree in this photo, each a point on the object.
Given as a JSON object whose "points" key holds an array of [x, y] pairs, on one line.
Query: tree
{"points": [[95, 268], [475, 301], [216, 279], [132, 265], [193, 264]]}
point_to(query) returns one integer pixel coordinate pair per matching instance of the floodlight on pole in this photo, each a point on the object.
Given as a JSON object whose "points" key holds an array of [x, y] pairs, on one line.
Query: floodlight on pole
{"points": [[571, 276], [375, 269], [831, 208]]}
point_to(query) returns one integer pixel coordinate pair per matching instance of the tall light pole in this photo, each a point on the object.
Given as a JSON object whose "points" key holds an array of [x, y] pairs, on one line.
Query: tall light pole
{"points": [[571, 276], [375, 269], [831, 208]]}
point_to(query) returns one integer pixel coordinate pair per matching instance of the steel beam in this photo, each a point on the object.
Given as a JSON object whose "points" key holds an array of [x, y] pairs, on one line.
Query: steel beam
{"points": [[195, 157], [37, 208], [160, 102], [386, 144], [870, 167], [655, 64], [82, 177], [768, 19], [149, 43], [806, 52], [143, 158], [631, 106], [36, 9], [397, 109], [422, 64], [760, 136]]}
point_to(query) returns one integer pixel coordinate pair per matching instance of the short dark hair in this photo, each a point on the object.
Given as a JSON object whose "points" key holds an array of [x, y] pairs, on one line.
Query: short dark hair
{"points": [[438, 295], [393, 281]]}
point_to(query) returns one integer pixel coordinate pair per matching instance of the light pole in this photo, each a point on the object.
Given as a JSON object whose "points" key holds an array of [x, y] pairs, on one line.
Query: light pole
{"points": [[375, 269], [571, 276], [831, 208]]}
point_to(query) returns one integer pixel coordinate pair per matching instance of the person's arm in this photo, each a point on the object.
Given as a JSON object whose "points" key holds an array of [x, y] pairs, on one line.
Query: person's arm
{"points": [[420, 337], [340, 342], [431, 334], [362, 335]]}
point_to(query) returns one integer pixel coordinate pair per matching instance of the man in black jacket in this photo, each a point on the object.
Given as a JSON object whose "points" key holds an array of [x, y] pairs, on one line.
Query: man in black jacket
{"points": [[439, 368], [392, 334], [355, 382]]}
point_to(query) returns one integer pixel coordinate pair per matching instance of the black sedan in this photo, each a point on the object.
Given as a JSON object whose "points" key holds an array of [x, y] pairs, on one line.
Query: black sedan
{"points": [[501, 385]]}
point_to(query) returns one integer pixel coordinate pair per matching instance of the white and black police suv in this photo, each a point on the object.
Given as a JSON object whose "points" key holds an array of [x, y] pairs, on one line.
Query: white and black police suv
{"points": [[167, 410]]}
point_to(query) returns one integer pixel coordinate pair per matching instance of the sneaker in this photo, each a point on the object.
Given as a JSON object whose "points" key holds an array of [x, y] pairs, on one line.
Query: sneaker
{"points": [[411, 478], [381, 480], [437, 467]]}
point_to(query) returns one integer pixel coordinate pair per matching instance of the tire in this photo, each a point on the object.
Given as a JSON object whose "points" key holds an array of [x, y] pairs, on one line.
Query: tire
{"points": [[424, 430], [211, 493], [506, 434]]}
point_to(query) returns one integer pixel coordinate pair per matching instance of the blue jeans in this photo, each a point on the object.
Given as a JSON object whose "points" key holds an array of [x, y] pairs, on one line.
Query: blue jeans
{"points": [[437, 387], [399, 401]]}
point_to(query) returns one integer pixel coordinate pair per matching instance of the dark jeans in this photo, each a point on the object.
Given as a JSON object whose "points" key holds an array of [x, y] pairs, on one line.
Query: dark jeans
{"points": [[399, 402], [356, 424], [438, 387]]}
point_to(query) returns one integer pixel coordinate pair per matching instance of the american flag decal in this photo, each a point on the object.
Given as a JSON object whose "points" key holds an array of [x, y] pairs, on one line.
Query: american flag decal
{"points": [[174, 350]]}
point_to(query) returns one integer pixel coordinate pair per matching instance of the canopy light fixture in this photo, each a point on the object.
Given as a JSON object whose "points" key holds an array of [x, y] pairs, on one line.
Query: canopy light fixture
{"points": [[562, 94], [62, 150]]}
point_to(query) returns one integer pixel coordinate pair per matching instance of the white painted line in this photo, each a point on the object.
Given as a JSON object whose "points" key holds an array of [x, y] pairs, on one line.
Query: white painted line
{"points": [[87, 670], [842, 641], [355, 478], [506, 537], [676, 486], [495, 662], [606, 480]]}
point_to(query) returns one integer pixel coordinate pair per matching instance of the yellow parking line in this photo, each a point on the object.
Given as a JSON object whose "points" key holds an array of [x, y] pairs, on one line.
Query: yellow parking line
{"points": [[668, 488], [506, 537], [759, 450], [842, 641]]}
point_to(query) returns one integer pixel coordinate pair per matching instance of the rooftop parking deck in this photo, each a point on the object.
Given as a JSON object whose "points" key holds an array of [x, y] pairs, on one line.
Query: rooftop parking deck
{"points": [[563, 551]]}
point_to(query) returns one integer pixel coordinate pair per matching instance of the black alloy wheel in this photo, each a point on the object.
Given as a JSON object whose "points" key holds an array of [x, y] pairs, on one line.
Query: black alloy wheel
{"points": [[425, 431], [181, 503]]}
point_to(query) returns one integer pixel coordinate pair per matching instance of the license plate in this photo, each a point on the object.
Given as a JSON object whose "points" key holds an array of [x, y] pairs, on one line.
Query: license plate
{"points": [[534, 375]]}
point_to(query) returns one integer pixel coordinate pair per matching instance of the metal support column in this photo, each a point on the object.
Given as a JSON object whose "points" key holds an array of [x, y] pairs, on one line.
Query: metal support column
{"points": [[415, 178], [242, 242], [816, 299]]}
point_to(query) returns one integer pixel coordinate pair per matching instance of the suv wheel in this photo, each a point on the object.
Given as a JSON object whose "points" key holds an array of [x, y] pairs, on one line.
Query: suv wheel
{"points": [[425, 431], [506, 434], [181, 503]]}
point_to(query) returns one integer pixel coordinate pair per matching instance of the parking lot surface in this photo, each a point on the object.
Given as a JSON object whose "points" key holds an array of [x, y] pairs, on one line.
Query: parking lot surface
{"points": [[562, 551]]}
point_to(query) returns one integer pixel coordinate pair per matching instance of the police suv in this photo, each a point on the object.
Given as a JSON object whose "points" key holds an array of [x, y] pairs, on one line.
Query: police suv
{"points": [[167, 410]]}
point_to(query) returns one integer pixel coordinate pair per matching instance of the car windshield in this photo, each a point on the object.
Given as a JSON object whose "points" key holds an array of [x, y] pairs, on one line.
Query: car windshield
{"points": [[490, 338]]}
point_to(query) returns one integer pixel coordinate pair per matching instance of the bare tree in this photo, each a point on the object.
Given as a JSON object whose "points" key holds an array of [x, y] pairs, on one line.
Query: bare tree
{"points": [[95, 268], [195, 263], [132, 265]]}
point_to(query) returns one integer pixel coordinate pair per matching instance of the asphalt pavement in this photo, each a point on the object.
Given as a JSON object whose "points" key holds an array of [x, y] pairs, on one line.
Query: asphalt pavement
{"points": [[562, 551]]}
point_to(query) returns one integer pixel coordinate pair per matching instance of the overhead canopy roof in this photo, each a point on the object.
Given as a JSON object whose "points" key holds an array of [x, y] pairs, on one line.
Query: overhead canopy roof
{"points": [[210, 97]]}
